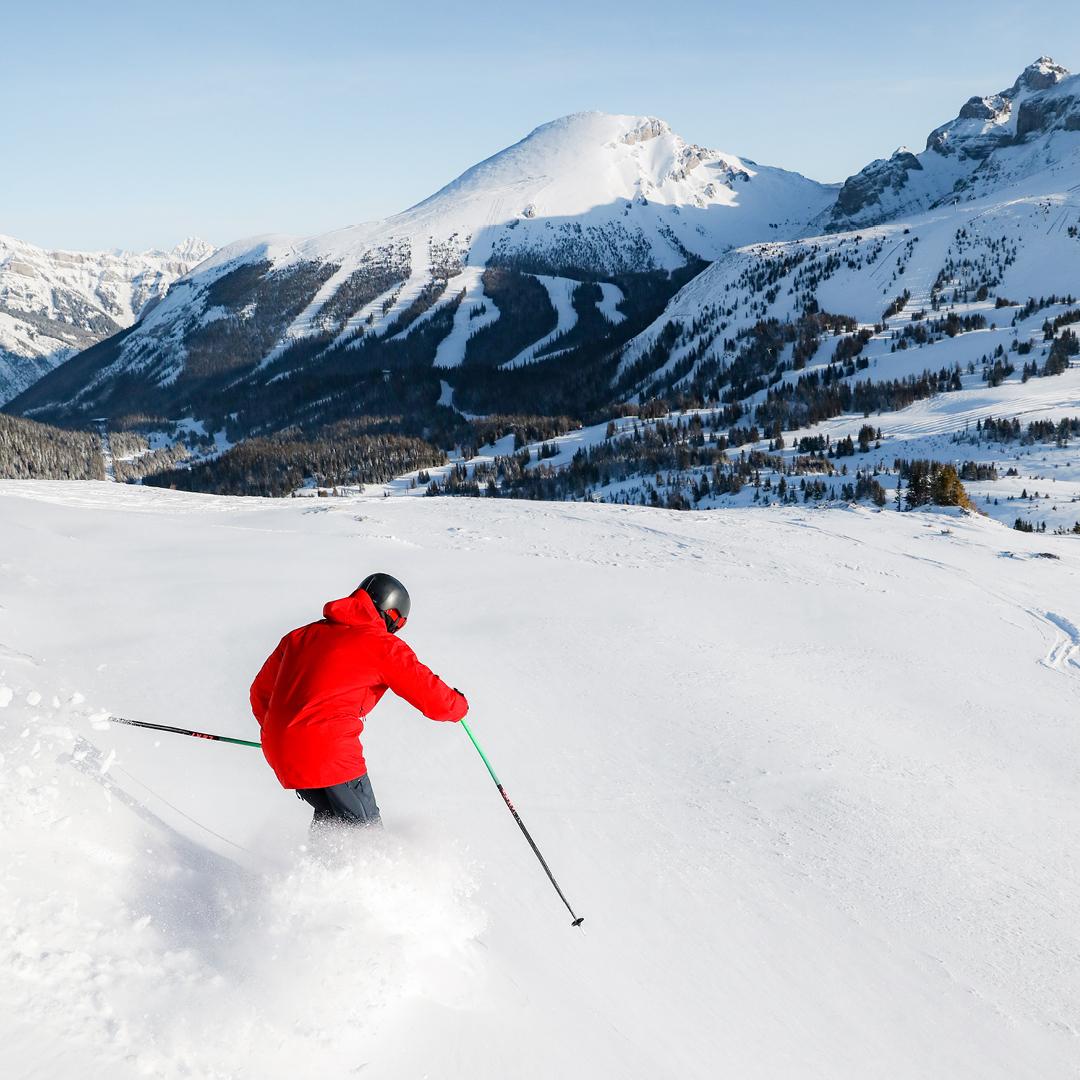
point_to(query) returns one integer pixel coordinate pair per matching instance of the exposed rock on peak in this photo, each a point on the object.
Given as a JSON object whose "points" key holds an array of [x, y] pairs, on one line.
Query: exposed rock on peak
{"points": [[1040, 75], [649, 128], [985, 108], [866, 187], [192, 250], [962, 156]]}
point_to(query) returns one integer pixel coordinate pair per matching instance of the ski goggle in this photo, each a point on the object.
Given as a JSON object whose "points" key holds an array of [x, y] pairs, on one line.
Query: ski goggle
{"points": [[394, 620]]}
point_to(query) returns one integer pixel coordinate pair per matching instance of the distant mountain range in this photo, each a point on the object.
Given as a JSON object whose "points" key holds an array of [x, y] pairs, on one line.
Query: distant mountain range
{"points": [[600, 260], [55, 303]]}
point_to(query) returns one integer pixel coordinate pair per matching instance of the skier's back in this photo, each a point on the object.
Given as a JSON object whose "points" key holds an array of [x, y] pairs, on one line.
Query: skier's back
{"points": [[315, 690]]}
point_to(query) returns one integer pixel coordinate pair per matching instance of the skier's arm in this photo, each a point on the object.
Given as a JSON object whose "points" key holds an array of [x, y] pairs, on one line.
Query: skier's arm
{"points": [[419, 685], [263, 686]]}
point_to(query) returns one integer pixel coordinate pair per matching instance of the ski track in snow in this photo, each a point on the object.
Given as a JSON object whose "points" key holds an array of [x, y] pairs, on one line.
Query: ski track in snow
{"points": [[413, 286], [1064, 656], [824, 790], [306, 323], [446, 298], [358, 324]]}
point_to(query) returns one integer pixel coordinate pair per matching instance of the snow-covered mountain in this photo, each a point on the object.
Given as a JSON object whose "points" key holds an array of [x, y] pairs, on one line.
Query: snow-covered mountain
{"points": [[1012, 234], [55, 303], [995, 140], [603, 260], [592, 197]]}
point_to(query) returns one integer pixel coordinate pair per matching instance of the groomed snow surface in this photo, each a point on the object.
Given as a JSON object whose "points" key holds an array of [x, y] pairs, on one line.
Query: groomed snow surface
{"points": [[811, 777]]}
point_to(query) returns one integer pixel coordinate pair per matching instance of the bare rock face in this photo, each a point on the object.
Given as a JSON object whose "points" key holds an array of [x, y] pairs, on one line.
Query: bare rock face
{"points": [[992, 123], [1053, 110], [985, 108], [1041, 75], [690, 157], [651, 128], [866, 188]]}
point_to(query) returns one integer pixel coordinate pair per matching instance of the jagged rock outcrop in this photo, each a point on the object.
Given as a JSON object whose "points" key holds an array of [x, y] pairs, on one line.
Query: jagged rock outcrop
{"points": [[986, 140]]}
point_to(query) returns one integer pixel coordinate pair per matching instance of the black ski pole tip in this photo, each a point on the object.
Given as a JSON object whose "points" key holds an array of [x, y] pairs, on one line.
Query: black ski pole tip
{"points": [[578, 921]]}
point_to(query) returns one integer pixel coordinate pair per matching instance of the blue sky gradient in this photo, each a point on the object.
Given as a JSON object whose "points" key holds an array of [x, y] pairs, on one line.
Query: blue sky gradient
{"points": [[128, 125]]}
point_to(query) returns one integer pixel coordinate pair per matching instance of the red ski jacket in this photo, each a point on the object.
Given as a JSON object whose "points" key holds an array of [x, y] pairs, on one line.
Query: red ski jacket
{"points": [[318, 685]]}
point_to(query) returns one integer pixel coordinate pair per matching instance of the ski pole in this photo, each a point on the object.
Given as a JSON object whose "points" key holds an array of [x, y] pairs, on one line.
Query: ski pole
{"points": [[182, 731], [578, 919]]}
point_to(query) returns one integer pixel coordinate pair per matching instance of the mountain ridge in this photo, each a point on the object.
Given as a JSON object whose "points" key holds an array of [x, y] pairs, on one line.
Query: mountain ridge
{"points": [[963, 158], [56, 302], [590, 197], [593, 268]]}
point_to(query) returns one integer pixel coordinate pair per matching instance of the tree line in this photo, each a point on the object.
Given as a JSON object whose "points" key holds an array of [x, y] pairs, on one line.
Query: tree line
{"points": [[277, 465], [33, 451]]}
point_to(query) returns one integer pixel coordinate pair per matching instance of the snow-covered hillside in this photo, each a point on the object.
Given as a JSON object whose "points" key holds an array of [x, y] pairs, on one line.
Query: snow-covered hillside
{"points": [[593, 195], [54, 303], [1009, 475], [818, 805]]}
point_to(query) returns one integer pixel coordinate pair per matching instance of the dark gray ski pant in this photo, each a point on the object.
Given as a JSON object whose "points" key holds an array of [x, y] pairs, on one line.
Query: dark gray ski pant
{"points": [[351, 803]]}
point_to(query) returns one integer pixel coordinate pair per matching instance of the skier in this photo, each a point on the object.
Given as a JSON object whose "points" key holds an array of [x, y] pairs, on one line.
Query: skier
{"points": [[316, 688]]}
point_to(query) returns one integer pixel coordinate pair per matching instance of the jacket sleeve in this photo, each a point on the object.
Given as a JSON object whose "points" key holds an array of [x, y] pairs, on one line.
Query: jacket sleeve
{"points": [[263, 686], [419, 685]]}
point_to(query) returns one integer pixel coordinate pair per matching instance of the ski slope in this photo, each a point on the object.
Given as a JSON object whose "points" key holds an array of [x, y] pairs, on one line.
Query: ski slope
{"points": [[560, 292], [810, 776]]}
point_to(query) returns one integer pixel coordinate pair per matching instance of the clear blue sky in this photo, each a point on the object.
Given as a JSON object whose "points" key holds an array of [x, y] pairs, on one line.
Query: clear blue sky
{"points": [[134, 125]]}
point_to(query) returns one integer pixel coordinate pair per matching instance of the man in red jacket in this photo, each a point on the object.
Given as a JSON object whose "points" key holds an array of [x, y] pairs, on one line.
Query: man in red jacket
{"points": [[316, 688]]}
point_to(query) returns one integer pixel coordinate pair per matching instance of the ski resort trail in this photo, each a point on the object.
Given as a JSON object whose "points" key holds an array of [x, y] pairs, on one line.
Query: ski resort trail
{"points": [[810, 776]]}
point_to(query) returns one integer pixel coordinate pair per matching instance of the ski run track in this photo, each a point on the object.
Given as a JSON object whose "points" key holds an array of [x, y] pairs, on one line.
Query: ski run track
{"points": [[810, 775]]}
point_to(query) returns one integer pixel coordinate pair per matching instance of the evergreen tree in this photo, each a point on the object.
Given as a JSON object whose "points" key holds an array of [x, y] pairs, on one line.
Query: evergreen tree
{"points": [[918, 492], [946, 488]]}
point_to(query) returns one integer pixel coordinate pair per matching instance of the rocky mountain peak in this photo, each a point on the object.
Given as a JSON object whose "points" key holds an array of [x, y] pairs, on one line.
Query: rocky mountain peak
{"points": [[1040, 75], [1045, 98], [55, 302], [192, 250]]}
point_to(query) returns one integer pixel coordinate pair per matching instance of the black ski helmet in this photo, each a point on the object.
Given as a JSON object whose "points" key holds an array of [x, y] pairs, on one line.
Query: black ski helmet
{"points": [[390, 597]]}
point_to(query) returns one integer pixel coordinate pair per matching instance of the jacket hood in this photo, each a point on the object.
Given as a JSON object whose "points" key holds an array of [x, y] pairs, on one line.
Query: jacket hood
{"points": [[356, 609]]}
